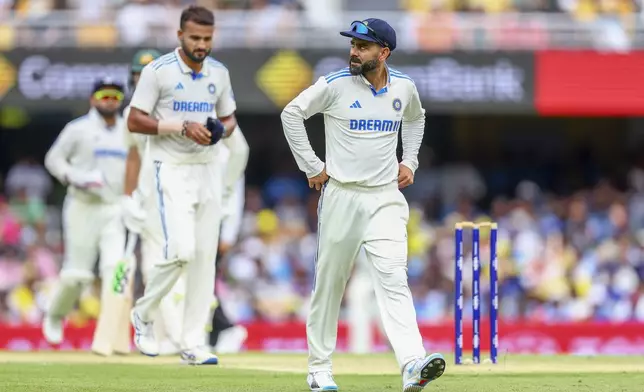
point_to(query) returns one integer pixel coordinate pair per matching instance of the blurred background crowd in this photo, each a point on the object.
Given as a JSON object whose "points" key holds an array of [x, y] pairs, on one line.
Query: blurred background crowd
{"points": [[428, 24], [563, 256], [96, 7]]}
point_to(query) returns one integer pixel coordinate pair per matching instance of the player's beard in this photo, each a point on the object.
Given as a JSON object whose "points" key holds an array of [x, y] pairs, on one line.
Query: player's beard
{"points": [[363, 68], [107, 113], [193, 57]]}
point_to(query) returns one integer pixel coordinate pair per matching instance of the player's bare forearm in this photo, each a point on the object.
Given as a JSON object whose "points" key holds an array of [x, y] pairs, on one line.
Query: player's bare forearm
{"points": [[140, 122], [230, 123], [132, 168]]}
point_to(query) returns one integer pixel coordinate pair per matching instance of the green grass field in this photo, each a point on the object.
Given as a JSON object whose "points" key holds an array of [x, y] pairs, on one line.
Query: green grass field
{"points": [[70, 372]]}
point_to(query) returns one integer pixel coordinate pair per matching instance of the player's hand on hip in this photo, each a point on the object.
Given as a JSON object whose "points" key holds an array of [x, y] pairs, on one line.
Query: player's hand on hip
{"points": [[319, 180], [197, 133], [405, 176]]}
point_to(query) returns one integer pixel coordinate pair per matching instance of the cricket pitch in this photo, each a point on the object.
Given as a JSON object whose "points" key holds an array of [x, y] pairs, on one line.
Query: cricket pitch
{"points": [[72, 371]]}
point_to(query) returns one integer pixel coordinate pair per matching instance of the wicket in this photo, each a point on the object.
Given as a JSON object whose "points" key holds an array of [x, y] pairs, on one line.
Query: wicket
{"points": [[476, 297]]}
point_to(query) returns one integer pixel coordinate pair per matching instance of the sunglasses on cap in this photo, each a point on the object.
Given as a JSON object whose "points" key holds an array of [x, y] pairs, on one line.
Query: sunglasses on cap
{"points": [[361, 28], [109, 94]]}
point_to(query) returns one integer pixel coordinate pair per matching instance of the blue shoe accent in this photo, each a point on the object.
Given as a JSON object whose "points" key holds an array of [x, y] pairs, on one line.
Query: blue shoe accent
{"points": [[191, 359], [211, 361], [327, 378]]}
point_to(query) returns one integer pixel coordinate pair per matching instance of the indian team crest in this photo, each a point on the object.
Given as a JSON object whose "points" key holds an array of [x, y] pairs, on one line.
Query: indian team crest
{"points": [[397, 104], [211, 88]]}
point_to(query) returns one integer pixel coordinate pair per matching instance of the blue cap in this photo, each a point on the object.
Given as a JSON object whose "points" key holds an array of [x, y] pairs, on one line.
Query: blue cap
{"points": [[374, 30], [107, 82]]}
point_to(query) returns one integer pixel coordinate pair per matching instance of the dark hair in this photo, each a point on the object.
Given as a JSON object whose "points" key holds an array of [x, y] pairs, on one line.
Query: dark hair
{"points": [[198, 15]]}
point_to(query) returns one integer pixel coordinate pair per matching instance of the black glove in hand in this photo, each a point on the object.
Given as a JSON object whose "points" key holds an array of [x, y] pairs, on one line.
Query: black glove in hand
{"points": [[216, 129]]}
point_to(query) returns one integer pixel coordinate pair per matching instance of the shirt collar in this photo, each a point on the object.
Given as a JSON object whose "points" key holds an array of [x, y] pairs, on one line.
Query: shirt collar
{"points": [[382, 90], [187, 70]]}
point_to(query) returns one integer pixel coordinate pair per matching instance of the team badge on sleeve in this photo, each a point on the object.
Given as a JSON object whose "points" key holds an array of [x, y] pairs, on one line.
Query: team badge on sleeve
{"points": [[397, 104]]}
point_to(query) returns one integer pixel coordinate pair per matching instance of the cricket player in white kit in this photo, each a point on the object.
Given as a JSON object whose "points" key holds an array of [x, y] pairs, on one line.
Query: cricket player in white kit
{"points": [[176, 95], [89, 156], [140, 206], [364, 107]]}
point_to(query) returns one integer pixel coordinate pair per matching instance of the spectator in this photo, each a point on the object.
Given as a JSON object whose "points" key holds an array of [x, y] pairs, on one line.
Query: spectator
{"points": [[29, 176]]}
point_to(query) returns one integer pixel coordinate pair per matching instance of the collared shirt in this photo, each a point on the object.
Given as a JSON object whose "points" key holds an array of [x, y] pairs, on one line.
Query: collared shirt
{"points": [[88, 144], [361, 127], [169, 90]]}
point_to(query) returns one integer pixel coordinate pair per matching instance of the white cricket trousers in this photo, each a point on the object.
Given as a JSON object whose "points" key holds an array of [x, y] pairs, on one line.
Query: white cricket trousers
{"points": [[188, 204], [92, 231], [350, 217], [168, 320], [360, 307]]}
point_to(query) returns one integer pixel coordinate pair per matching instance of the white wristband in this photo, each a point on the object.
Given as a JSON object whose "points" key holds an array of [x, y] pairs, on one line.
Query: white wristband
{"points": [[168, 127]]}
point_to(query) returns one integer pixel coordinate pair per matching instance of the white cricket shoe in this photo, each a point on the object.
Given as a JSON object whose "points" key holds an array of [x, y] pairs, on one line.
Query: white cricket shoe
{"points": [[231, 340], [419, 373], [199, 356], [52, 328], [144, 335], [321, 381]]}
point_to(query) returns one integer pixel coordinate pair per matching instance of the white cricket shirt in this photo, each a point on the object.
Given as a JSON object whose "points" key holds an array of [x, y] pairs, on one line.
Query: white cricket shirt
{"points": [[169, 90], [87, 144], [361, 127]]}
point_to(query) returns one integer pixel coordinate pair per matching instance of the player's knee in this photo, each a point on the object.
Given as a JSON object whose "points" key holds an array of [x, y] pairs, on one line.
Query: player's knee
{"points": [[395, 280], [179, 250], [387, 254], [186, 252]]}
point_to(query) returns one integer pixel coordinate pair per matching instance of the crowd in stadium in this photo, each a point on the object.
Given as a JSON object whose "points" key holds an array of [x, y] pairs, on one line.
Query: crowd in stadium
{"points": [[88, 7], [423, 24], [562, 257]]}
